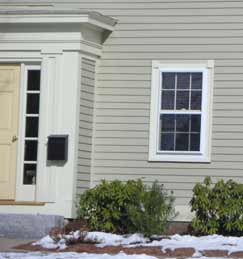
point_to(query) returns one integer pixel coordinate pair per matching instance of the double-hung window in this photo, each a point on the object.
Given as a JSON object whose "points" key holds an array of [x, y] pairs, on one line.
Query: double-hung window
{"points": [[181, 104]]}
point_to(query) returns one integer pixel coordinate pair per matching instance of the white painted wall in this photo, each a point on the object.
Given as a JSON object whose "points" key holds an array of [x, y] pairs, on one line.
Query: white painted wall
{"points": [[58, 116]]}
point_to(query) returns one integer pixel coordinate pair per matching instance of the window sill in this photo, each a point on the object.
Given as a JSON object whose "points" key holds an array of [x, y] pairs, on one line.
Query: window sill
{"points": [[179, 158]]}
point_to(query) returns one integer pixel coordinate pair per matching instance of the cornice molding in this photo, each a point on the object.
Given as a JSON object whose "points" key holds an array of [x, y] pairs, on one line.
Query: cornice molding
{"points": [[57, 17]]}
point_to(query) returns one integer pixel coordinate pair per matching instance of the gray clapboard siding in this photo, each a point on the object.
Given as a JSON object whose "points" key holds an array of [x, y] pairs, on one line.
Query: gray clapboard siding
{"points": [[147, 63], [147, 70], [85, 124], [139, 149], [172, 173], [144, 113]]}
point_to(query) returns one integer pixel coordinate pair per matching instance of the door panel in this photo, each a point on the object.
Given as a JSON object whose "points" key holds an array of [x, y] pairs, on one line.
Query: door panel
{"points": [[9, 103], [5, 153], [5, 111]]}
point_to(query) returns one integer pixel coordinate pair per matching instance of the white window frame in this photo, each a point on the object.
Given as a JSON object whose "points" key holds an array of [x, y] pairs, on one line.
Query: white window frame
{"points": [[204, 155]]}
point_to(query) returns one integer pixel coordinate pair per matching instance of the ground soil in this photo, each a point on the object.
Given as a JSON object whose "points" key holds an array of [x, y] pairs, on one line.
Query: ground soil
{"points": [[153, 251]]}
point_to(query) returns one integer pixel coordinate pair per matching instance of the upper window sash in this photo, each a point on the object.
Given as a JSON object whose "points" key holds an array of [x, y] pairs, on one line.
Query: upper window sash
{"points": [[175, 84], [204, 72]]}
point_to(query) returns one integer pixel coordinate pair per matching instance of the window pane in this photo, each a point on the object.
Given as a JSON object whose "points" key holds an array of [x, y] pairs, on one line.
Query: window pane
{"points": [[168, 100], [182, 100], [30, 153], [182, 142], [182, 123], [31, 127], [33, 80], [167, 122], [196, 100], [29, 174], [168, 80], [195, 123], [195, 142], [167, 141], [183, 80], [196, 80], [32, 103]]}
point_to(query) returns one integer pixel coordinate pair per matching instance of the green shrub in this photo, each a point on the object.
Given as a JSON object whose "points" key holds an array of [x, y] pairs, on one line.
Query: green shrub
{"points": [[153, 213], [218, 208], [126, 207]]}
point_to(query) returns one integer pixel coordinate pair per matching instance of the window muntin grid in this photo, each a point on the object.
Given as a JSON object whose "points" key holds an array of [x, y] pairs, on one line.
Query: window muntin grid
{"points": [[31, 126], [180, 111]]}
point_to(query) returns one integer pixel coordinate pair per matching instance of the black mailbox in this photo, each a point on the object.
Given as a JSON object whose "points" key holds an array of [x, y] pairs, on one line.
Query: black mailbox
{"points": [[57, 149]]}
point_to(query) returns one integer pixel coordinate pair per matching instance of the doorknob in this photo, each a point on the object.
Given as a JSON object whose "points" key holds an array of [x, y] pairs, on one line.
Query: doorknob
{"points": [[14, 138]]}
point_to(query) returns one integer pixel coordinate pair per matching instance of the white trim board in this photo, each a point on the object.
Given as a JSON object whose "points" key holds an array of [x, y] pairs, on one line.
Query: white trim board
{"points": [[58, 16]]}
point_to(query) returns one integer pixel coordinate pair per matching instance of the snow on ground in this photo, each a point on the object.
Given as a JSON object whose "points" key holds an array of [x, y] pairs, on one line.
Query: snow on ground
{"points": [[102, 239], [49, 243], [212, 242], [107, 239], [70, 256]]}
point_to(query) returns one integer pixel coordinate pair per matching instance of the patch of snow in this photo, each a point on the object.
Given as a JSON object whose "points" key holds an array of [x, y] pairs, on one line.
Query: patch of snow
{"points": [[71, 256], [72, 235], [107, 239], [134, 239], [102, 239], [212, 242], [48, 243], [197, 254]]}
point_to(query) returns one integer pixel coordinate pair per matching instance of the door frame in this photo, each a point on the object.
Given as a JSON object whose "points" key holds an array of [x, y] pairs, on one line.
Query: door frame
{"points": [[22, 59]]}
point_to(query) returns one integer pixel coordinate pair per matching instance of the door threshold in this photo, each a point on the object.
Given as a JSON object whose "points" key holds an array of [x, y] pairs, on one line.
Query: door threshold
{"points": [[21, 203]]}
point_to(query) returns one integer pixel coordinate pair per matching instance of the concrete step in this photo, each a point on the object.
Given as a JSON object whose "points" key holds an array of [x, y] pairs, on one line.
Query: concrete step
{"points": [[28, 225]]}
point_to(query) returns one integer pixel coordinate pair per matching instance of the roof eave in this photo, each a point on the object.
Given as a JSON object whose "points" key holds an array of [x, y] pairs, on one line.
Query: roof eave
{"points": [[57, 16]]}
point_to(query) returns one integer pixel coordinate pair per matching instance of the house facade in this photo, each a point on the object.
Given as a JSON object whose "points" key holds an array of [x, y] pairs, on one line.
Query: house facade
{"points": [[116, 89]]}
